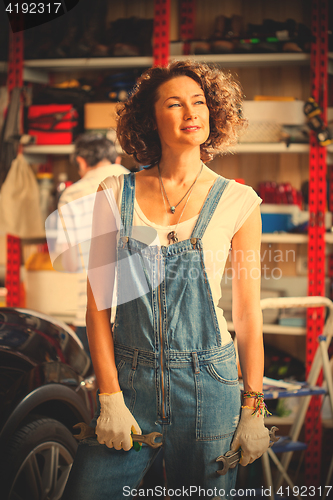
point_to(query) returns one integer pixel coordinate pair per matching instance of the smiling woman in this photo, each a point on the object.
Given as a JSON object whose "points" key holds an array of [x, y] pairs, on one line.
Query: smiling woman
{"points": [[169, 364], [181, 113], [136, 127]]}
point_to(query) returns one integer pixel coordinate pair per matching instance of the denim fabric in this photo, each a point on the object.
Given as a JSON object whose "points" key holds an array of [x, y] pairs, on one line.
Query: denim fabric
{"points": [[176, 377]]}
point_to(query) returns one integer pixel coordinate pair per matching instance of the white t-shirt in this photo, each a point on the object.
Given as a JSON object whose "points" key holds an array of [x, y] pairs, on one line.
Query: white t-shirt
{"points": [[236, 204]]}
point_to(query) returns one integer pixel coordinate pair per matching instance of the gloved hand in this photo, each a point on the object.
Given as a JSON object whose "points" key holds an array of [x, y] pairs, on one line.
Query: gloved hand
{"points": [[115, 422], [251, 436]]}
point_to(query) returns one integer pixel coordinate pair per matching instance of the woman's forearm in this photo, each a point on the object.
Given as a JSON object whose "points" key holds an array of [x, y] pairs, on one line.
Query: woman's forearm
{"points": [[102, 350], [251, 350]]}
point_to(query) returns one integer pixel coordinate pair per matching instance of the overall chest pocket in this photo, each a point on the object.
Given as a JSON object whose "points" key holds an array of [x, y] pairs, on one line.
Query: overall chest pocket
{"points": [[218, 399]]}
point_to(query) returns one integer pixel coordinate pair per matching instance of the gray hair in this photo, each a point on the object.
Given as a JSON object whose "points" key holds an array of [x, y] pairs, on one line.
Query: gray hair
{"points": [[95, 148]]}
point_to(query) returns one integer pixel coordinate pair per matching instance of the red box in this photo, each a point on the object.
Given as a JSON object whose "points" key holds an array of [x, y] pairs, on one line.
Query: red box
{"points": [[52, 123]]}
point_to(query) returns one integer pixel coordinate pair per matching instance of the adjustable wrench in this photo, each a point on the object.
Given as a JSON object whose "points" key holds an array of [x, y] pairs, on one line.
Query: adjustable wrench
{"points": [[86, 431], [231, 458]]}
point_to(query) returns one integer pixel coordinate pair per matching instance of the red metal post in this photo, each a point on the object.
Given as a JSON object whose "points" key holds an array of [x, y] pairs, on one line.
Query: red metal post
{"points": [[330, 188], [187, 17], [330, 208], [14, 79], [12, 281], [316, 244], [161, 32]]}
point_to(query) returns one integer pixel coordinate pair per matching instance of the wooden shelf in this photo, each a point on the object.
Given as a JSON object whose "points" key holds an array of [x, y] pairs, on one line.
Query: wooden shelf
{"points": [[236, 60], [289, 420], [89, 63], [284, 238], [227, 60], [61, 149], [276, 329], [35, 70], [291, 238], [270, 147], [240, 148]]}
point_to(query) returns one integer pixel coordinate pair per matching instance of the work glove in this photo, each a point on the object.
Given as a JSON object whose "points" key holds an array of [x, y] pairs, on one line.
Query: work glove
{"points": [[251, 436], [115, 422]]}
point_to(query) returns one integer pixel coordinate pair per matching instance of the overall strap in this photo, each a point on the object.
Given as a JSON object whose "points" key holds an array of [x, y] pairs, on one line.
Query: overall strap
{"points": [[209, 207], [127, 204]]}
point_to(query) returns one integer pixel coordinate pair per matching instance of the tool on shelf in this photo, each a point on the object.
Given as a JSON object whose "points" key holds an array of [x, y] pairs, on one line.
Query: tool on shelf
{"points": [[313, 111]]}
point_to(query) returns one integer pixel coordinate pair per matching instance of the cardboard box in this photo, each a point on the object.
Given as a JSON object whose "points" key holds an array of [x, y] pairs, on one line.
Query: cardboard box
{"points": [[100, 115], [52, 292], [282, 112], [266, 119]]}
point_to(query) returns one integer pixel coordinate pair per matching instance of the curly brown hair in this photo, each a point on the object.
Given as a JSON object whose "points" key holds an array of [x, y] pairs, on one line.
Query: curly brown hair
{"points": [[136, 127]]}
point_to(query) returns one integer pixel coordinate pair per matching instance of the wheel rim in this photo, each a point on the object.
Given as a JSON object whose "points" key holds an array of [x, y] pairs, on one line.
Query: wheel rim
{"points": [[43, 473]]}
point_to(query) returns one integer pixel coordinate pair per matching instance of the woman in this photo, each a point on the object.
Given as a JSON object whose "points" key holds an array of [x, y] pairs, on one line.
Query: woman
{"points": [[170, 364]]}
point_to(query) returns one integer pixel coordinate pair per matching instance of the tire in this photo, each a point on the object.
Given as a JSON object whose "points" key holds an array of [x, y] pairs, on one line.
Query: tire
{"points": [[38, 460]]}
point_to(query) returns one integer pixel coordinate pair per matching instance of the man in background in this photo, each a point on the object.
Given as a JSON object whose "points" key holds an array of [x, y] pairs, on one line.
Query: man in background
{"points": [[96, 158]]}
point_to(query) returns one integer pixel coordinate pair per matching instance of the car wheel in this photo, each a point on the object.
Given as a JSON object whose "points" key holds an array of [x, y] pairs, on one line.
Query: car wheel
{"points": [[38, 461]]}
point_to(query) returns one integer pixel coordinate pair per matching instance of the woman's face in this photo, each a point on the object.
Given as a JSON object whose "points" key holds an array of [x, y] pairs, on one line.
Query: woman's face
{"points": [[181, 113]]}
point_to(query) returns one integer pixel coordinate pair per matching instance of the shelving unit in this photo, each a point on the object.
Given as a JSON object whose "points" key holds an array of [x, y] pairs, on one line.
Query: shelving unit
{"points": [[39, 70]]}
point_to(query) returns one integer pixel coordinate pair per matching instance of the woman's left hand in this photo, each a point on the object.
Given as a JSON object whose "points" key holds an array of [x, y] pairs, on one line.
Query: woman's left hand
{"points": [[251, 436]]}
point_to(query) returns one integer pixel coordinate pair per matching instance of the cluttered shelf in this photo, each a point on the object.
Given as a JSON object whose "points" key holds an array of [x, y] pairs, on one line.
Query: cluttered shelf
{"points": [[278, 147], [225, 60], [36, 70], [276, 329]]}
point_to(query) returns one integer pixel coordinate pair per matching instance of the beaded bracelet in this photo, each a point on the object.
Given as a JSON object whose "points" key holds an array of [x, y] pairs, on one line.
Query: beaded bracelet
{"points": [[252, 394], [260, 408]]}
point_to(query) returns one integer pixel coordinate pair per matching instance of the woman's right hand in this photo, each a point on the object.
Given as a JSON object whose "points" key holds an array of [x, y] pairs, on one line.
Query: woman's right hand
{"points": [[116, 422], [251, 436]]}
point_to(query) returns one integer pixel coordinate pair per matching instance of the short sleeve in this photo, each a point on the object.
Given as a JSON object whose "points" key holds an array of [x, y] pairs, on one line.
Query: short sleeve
{"points": [[102, 256], [112, 187], [249, 201]]}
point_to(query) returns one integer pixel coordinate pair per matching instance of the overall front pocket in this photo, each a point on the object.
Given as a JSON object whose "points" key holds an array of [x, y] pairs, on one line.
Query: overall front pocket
{"points": [[218, 399]]}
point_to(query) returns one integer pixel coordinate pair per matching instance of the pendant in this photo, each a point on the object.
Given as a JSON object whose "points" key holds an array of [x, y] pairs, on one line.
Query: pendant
{"points": [[173, 209], [172, 237]]}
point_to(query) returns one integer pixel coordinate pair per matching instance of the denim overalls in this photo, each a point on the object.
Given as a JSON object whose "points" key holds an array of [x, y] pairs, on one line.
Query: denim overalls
{"points": [[176, 377]]}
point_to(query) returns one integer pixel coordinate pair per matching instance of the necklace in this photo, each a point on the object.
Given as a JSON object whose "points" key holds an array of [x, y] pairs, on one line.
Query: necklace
{"points": [[173, 207], [172, 235]]}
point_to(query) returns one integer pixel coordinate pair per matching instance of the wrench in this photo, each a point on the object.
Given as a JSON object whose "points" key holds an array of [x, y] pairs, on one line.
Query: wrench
{"points": [[231, 458], [86, 431], [148, 439]]}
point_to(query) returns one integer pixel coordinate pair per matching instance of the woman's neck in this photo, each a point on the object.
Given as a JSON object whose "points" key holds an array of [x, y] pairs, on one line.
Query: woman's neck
{"points": [[179, 167]]}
